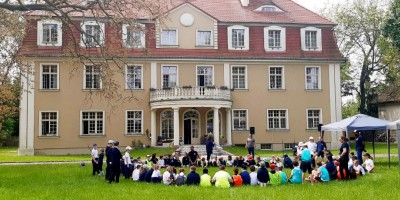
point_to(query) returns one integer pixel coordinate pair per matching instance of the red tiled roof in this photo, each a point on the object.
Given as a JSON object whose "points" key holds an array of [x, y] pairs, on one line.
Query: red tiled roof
{"points": [[233, 11]]}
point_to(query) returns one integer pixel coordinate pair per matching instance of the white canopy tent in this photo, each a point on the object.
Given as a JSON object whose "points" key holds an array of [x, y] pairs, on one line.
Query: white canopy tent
{"points": [[360, 122], [393, 125]]}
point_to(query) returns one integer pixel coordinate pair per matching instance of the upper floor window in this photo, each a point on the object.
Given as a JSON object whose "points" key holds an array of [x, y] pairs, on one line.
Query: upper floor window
{"points": [[277, 119], [48, 123], [92, 77], [203, 38], [169, 76], [239, 77], [276, 77], [238, 38], [49, 33], [169, 37], [313, 78], [134, 77], [133, 36], [313, 118], [274, 38], [93, 34], [205, 76], [49, 76], [311, 39]]}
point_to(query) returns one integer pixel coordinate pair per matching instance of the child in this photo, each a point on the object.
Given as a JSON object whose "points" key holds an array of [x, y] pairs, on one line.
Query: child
{"points": [[358, 168], [273, 160], [237, 179], [156, 176], [127, 162], [95, 159], [143, 172], [245, 176], [262, 175], [181, 178], [221, 161], [185, 160], [229, 162], [278, 163], [240, 161], [214, 162], [368, 163], [296, 175], [250, 161], [161, 162], [287, 162], [253, 176], [167, 176], [275, 177], [205, 179], [193, 178], [202, 162], [136, 173], [100, 162], [323, 174], [148, 162], [258, 160], [167, 160], [283, 175]]}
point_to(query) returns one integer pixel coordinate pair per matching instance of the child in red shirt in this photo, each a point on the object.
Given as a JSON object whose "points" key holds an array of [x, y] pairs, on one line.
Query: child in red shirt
{"points": [[237, 179]]}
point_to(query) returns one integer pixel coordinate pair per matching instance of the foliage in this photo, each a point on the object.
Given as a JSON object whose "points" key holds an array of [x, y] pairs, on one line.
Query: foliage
{"points": [[71, 181], [391, 28], [358, 33], [350, 108]]}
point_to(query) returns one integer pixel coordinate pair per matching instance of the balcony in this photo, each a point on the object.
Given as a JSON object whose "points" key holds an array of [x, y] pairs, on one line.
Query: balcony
{"points": [[190, 93]]}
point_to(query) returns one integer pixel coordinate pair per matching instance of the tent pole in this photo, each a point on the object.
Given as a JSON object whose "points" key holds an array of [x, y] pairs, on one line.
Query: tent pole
{"points": [[388, 143], [373, 143], [398, 141]]}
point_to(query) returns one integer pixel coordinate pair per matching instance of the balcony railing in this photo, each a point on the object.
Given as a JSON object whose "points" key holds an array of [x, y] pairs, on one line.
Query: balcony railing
{"points": [[188, 93]]}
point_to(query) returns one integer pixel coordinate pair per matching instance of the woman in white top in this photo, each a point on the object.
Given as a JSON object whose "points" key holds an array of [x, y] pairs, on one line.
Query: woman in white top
{"points": [[369, 163]]}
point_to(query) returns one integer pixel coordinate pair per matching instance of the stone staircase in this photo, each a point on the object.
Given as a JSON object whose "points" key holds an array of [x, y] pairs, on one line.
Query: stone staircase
{"points": [[201, 149]]}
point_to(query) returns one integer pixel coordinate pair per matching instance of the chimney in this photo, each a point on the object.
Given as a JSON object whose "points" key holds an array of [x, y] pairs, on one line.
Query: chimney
{"points": [[245, 2]]}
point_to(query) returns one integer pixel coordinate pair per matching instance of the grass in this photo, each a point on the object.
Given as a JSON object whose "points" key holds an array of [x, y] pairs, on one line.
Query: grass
{"points": [[380, 148], [71, 181], [11, 155]]}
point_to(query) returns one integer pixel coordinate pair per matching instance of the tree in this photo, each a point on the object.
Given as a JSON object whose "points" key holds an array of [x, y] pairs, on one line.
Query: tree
{"points": [[392, 24], [358, 33]]}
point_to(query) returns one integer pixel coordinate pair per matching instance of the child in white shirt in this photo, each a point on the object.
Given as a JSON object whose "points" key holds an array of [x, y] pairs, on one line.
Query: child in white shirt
{"points": [[253, 176]]}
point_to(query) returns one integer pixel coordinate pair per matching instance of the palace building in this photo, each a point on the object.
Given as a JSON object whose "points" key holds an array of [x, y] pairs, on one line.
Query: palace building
{"points": [[212, 66]]}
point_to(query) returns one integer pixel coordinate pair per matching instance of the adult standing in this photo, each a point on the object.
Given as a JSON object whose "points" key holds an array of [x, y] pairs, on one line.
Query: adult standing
{"points": [[95, 159], [344, 157], [306, 157], [115, 163], [108, 158], [250, 144], [321, 147], [209, 147], [360, 147], [193, 156]]}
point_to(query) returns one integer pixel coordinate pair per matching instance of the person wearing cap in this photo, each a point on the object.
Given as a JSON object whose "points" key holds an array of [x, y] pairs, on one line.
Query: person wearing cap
{"points": [[306, 157], [368, 163], [250, 143], [115, 163], [193, 156], [275, 177], [95, 159], [245, 176], [108, 158], [312, 146], [127, 162], [360, 146]]}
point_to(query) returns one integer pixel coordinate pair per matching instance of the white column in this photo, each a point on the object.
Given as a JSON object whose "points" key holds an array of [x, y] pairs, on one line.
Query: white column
{"points": [[228, 127], [153, 75], [227, 77], [176, 125], [216, 126], [153, 128]]}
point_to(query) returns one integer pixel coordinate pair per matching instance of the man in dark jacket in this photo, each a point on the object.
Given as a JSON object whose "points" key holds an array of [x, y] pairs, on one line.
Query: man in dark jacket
{"points": [[108, 159], [193, 178], [115, 163]]}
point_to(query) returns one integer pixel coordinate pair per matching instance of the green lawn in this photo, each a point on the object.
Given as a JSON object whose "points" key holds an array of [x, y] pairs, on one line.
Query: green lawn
{"points": [[71, 181], [11, 155], [380, 148]]}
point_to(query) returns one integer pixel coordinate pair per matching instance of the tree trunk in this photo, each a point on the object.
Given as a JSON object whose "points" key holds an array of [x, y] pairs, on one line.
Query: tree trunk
{"points": [[363, 95]]}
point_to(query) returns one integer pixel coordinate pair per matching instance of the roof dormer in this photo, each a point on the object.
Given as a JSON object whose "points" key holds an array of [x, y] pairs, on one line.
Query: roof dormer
{"points": [[245, 2], [268, 8]]}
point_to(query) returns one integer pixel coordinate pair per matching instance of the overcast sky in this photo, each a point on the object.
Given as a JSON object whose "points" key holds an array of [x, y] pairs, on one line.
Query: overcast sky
{"points": [[316, 5]]}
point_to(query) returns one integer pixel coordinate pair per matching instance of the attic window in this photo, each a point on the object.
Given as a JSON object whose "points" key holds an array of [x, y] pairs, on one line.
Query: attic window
{"points": [[268, 8]]}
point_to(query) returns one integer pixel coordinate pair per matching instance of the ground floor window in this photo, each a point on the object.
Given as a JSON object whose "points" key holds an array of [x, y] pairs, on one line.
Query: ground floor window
{"points": [[210, 122], [167, 124], [92, 123], [48, 123], [313, 118], [134, 122], [266, 146]]}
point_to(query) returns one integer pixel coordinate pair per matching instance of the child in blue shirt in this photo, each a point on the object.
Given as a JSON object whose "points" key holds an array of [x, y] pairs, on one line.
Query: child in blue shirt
{"points": [[296, 175]]}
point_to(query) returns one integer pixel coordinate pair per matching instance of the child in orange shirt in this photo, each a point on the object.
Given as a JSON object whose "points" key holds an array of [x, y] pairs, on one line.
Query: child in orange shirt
{"points": [[237, 179]]}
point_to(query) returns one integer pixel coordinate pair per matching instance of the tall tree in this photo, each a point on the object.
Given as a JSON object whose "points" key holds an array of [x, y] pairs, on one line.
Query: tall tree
{"points": [[358, 33], [391, 45]]}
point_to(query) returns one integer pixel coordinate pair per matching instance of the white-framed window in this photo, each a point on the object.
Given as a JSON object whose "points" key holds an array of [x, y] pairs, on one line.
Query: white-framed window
{"points": [[277, 119], [276, 78], [274, 38], [313, 78], [48, 123], [92, 77], [239, 77], [314, 118], [238, 38], [169, 37], [167, 124], [288, 145], [92, 122], [169, 75], [311, 39], [134, 36], [205, 75], [204, 38], [210, 122], [93, 34], [49, 33], [134, 122], [49, 76], [266, 147], [240, 119], [134, 77]]}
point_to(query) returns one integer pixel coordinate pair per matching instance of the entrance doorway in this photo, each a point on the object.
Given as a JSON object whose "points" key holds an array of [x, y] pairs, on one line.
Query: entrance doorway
{"points": [[191, 127], [187, 131]]}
